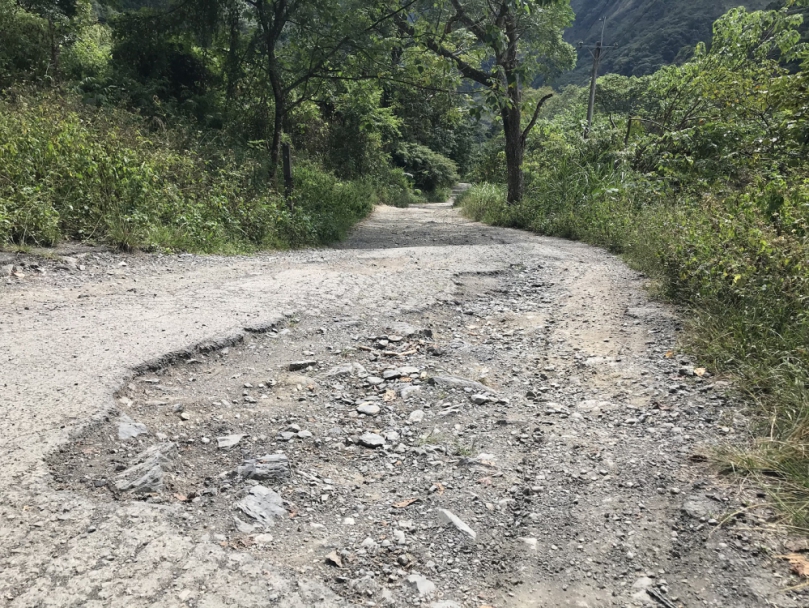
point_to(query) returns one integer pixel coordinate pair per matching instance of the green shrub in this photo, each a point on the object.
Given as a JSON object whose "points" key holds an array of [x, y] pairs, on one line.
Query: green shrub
{"points": [[68, 171], [430, 170]]}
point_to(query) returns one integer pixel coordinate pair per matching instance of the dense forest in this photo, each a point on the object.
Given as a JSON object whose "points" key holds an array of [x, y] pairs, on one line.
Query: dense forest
{"points": [[235, 125]]}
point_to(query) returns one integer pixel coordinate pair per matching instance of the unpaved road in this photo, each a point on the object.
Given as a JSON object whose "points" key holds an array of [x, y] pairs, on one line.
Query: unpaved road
{"points": [[577, 466]]}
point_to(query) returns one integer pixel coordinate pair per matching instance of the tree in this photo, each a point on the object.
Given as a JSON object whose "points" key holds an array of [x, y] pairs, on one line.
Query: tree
{"points": [[501, 46]]}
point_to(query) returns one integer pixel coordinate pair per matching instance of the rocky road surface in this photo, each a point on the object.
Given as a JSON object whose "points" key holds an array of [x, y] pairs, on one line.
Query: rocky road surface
{"points": [[436, 413]]}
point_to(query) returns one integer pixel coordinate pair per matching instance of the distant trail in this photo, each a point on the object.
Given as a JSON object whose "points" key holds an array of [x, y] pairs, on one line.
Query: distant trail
{"points": [[592, 447]]}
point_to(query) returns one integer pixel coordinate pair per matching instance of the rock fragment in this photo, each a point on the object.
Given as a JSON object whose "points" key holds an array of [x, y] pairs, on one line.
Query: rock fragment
{"points": [[462, 383], [448, 517], [372, 440], [129, 429], [262, 504], [272, 467], [146, 476], [420, 584], [296, 366], [229, 441], [369, 409]]}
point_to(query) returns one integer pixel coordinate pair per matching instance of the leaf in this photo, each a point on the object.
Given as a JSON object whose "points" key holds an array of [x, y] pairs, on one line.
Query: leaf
{"points": [[669, 354], [700, 371], [405, 503], [181, 497], [390, 395], [798, 562], [334, 559]]}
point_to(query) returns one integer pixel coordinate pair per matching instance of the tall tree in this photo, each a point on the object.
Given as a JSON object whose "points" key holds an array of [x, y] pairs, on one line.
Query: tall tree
{"points": [[502, 46]]}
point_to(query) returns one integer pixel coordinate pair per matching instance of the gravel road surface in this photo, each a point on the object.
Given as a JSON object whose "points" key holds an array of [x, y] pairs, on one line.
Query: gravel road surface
{"points": [[434, 413]]}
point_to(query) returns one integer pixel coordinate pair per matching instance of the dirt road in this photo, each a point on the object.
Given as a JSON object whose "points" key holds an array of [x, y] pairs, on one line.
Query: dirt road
{"points": [[453, 415]]}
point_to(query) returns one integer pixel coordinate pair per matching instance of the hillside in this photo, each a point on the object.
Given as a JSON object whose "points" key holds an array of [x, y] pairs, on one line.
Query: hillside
{"points": [[648, 33]]}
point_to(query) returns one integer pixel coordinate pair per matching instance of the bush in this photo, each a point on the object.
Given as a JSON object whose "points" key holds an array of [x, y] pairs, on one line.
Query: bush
{"points": [[68, 171], [430, 170]]}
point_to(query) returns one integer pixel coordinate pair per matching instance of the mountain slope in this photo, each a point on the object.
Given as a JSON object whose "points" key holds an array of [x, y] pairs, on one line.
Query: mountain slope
{"points": [[648, 33]]}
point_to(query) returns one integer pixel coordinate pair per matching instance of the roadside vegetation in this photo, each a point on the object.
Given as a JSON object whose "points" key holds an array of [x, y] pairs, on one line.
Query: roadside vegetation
{"points": [[699, 176], [160, 125]]}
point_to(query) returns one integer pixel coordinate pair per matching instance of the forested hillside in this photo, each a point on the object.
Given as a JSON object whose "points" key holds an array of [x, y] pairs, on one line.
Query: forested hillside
{"points": [[648, 33]]}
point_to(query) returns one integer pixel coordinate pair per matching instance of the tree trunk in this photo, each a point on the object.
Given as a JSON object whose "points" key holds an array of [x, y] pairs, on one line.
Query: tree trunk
{"points": [[279, 101], [515, 151]]}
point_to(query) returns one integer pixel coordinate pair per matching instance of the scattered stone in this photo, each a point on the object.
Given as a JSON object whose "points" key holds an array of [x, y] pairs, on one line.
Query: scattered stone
{"points": [[448, 517], [229, 441], [699, 507], [263, 505], [243, 527], [420, 584], [270, 467], [416, 416], [304, 434], [346, 369], [146, 476], [454, 382], [334, 559], [445, 604], [409, 391], [391, 374], [297, 366], [530, 543], [129, 429], [372, 440], [369, 409], [263, 539], [374, 380], [409, 331], [481, 399]]}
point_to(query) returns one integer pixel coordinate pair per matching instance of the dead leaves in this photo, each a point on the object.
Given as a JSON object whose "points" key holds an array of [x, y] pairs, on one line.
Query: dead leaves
{"points": [[334, 559], [700, 371], [403, 504], [390, 395], [798, 562]]}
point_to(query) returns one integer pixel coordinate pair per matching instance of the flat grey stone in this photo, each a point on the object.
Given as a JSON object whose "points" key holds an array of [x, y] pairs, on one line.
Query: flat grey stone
{"points": [[454, 382], [228, 441], [270, 467], [146, 476], [409, 331], [369, 409], [409, 391], [129, 429], [287, 435], [372, 440], [346, 369], [262, 504], [374, 380], [295, 366], [420, 584], [448, 517], [416, 416], [304, 434], [391, 374], [409, 371]]}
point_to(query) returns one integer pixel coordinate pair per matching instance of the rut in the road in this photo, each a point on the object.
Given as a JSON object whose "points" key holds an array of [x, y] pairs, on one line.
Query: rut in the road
{"points": [[346, 449]]}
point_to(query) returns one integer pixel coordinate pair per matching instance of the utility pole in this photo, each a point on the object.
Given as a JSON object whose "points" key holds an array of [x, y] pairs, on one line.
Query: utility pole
{"points": [[597, 53]]}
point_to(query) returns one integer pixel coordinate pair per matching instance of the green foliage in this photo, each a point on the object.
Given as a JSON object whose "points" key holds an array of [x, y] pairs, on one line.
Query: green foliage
{"points": [[71, 172], [431, 171], [24, 52], [707, 191]]}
